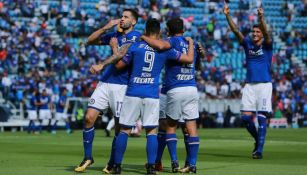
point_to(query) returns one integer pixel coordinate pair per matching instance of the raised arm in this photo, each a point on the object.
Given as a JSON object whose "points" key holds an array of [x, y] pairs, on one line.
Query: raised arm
{"points": [[189, 58], [263, 27], [110, 60], [156, 43], [94, 38], [231, 24]]}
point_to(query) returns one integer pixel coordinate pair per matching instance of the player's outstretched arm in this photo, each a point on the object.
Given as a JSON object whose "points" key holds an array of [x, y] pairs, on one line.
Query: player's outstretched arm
{"points": [[263, 26], [232, 25], [94, 38], [201, 50], [189, 58], [156, 43]]}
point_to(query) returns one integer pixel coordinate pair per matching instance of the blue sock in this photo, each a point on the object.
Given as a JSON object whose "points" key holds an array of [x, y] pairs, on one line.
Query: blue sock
{"points": [[151, 149], [250, 126], [161, 145], [171, 142], [111, 160], [54, 126], [30, 126], [186, 144], [193, 149], [120, 147], [261, 132], [33, 127], [67, 126], [88, 137]]}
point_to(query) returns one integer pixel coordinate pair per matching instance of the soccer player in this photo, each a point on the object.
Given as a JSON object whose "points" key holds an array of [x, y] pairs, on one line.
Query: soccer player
{"points": [[60, 114], [110, 92], [142, 96], [182, 99], [31, 105], [257, 92], [44, 109]]}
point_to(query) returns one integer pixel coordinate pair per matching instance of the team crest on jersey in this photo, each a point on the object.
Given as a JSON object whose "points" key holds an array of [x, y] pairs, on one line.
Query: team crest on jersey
{"points": [[91, 101], [124, 40]]}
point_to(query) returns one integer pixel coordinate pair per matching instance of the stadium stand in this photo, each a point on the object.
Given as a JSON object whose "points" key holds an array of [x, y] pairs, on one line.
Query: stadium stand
{"points": [[42, 47]]}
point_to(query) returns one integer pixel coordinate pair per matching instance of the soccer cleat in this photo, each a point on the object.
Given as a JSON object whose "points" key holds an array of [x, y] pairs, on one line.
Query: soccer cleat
{"points": [[150, 169], [83, 165], [175, 166], [188, 169], [257, 155], [159, 166], [107, 169], [117, 169]]}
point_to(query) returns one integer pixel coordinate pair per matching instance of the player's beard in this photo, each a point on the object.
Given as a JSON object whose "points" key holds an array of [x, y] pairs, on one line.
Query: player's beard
{"points": [[125, 26]]}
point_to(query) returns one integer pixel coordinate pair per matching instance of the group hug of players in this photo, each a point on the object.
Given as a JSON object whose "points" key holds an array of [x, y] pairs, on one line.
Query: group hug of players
{"points": [[129, 86]]}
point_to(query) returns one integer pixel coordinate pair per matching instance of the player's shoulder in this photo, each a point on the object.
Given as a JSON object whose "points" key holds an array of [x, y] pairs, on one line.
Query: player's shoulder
{"points": [[134, 33]]}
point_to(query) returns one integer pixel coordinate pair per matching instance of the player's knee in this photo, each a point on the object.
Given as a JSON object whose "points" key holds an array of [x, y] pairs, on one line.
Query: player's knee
{"points": [[90, 119], [247, 113], [264, 114]]}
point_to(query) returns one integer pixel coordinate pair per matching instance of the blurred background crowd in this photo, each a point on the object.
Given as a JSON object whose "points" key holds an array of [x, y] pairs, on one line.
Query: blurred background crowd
{"points": [[42, 46]]}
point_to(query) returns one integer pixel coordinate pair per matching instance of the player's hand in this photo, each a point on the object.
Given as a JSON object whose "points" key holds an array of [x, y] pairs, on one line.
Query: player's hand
{"points": [[260, 12], [96, 68], [189, 39], [200, 48], [113, 42], [111, 23], [226, 10]]}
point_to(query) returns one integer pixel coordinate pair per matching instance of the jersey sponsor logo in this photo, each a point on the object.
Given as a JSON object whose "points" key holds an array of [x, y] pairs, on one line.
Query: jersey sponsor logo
{"points": [[91, 101], [140, 80], [255, 53], [184, 77]]}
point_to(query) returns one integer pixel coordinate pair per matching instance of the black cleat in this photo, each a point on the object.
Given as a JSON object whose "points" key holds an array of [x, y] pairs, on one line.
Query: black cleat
{"points": [[150, 169], [175, 166], [117, 169], [257, 155]]}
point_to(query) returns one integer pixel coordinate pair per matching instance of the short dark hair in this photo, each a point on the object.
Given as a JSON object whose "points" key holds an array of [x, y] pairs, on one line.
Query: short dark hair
{"points": [[256, 26], [152, 26], [134, 13], [175, 26]]}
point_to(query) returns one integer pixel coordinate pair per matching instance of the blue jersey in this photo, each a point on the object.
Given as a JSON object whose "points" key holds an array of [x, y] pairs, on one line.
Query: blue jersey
{"points": [[258, 61], [45, 100], [179, 74], [146, 65], [110, 74], [32, 100], [61, 104]]}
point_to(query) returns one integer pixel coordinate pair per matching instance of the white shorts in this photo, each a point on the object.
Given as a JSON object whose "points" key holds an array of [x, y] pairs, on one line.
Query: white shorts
{"points": [[182, 103], [107, 95], [134, 108], [257, 97], [163, 102], [32, 114], [60, 116], [45, 114]]}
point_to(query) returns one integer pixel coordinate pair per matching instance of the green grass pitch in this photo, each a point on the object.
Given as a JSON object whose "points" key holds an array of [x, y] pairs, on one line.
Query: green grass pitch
{"points": [[222, 152]]}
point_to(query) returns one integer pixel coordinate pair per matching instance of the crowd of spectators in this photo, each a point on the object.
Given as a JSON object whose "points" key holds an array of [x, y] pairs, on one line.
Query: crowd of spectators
{"points": [[29, 57]]}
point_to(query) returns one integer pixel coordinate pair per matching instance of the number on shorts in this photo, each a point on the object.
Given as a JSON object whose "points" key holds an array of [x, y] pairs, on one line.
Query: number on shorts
{"points": [[119, 105]]}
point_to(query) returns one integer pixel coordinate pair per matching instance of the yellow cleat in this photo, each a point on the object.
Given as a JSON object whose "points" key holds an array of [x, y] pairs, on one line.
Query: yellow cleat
{"points": [[107, 169], [83, 165]]}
